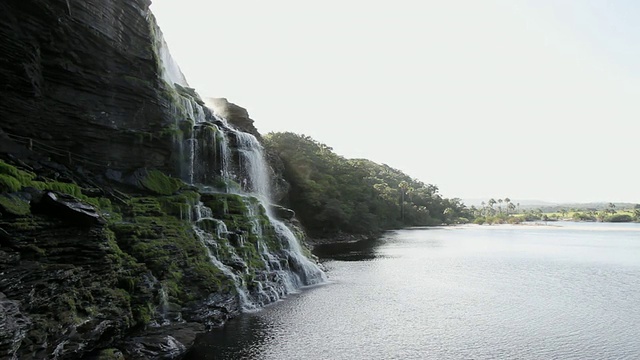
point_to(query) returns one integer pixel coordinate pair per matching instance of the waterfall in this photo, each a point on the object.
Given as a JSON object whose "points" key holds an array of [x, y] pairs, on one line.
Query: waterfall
{"points": [[253, 168], [225, 156], [169, 68], [214, 156], [243, 298], [192, 143], [290, 269], [164, 305], [309, 270]]}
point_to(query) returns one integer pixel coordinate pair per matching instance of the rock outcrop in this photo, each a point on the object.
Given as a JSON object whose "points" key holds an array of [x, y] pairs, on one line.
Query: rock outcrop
{"points": [[235, 114], [132, 217], [83, 76]]}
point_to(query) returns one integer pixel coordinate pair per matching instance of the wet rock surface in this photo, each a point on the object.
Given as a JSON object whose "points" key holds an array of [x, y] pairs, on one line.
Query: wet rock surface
{"points": [[282, 212], [163, 342], [62, 278], [13, 326]]}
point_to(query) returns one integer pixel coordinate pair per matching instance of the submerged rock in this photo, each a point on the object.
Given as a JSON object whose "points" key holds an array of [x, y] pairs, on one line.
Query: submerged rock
{"points": [[166, 342]]}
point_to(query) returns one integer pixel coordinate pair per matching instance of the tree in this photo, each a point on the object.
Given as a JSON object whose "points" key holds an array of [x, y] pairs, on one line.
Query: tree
{"points": [[491, 203], [475, 210], [500, 205], [330, 193], [404, 189], [508, 202]]}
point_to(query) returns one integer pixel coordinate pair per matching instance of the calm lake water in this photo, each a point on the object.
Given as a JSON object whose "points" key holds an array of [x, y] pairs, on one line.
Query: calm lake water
{"points": [[568, 291]]}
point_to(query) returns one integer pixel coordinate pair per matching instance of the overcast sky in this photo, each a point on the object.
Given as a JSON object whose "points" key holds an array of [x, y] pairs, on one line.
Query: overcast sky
{"points": [[527, 99]]}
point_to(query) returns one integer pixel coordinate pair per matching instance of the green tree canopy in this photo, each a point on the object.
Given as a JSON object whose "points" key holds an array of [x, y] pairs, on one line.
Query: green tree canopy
{"points": [[332, 194]]}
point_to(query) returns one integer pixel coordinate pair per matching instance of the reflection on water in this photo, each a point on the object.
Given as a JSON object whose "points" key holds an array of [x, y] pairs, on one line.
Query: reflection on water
{"points": [[241, 338], [471, 292], [348, 251]]}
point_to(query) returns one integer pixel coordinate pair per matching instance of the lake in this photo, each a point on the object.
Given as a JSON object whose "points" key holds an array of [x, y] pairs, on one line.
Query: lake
{"points": [[566, 291]]}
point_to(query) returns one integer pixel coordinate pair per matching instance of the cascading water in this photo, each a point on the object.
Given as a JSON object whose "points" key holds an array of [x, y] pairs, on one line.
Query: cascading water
{"points": [[225, 156], [218, 158], [169, 69], [164, 304], [252, 166], [285, 270], [209, 242]]}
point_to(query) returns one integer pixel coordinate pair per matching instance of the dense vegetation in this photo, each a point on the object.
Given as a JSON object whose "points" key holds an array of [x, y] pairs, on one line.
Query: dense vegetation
{"points": [[332, 194]]}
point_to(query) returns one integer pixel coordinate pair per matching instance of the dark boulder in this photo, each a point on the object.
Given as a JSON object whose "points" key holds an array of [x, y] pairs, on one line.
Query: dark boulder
{"points": [[68, 208], [282, 213], [213, 311], [163, 342]]}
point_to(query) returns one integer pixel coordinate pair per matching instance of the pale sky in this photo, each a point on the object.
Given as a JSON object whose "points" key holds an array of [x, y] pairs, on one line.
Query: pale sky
{"points": [[530, 99]]}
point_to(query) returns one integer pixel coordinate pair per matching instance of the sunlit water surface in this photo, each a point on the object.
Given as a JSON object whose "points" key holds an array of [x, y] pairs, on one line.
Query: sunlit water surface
{"points": [[568, 291]]}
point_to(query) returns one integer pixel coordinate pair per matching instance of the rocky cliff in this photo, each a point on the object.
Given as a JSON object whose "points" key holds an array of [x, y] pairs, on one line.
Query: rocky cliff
{"points": [[132, 216], [84, 76]]}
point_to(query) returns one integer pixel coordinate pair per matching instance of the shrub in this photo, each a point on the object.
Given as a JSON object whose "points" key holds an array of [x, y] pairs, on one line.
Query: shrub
{"points": [[619, 218]]}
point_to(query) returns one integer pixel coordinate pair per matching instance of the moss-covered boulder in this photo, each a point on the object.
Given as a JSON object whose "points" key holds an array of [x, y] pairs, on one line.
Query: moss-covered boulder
{"points": [[13, 205], [158, 183]]}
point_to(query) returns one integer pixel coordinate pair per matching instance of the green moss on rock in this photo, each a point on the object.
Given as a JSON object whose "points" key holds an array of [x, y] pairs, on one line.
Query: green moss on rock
{"points": [[9, 184], [159, 183], [23, 177], [168, 246], [13, 205], [224, 204], [179, 205], [110, 354]]}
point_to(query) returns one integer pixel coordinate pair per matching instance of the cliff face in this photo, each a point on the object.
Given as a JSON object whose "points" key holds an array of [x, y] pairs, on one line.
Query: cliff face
{"points": [[132, 216], [84, 76]]}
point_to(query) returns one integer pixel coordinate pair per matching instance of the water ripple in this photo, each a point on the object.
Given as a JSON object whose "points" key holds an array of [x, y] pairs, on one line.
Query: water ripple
{"points": [[465, 293]]}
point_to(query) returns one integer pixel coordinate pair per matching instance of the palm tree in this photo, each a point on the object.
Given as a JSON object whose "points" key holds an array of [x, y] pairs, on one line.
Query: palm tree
{"points": [[492, 202], [508, 202], [500, 206]]}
